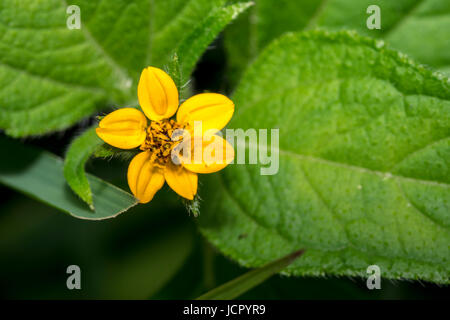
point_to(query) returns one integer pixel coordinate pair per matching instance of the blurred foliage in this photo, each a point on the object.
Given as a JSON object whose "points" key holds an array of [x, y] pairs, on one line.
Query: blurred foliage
{"points": [[128, 257], [39, 174], [418, 28], [240, 285]]}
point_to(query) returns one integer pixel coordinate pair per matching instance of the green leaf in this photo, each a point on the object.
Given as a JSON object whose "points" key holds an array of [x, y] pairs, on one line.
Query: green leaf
{"points": [[416, 27], [193, 46], [51, 76], [76, 157], [81, 149], [39, 174], [364, 167], [251, 279]]}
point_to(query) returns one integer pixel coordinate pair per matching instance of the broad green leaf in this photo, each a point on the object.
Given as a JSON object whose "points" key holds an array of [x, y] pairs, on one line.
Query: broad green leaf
{"points": [[52, 76], [416, 27], [364, 155], [251, 279], [193, 46], [39, 174], [76, 157]]}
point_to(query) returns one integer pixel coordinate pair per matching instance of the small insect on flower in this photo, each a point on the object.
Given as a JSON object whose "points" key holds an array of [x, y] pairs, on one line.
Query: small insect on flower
{"points": [[128, 128]]}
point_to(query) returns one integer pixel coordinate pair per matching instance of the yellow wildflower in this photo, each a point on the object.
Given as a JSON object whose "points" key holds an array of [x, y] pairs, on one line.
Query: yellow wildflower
{"points": [[127, 128]]}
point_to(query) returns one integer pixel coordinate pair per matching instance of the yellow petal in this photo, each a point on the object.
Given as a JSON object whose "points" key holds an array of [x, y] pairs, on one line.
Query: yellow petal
{"points": [[213, 109], [157, 94], [214, 155], [181, 180], [123, 128], [144, 179]]}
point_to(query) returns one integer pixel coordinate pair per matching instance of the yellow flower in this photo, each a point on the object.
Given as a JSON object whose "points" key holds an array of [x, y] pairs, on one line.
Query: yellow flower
{"points": [[127, 128]]}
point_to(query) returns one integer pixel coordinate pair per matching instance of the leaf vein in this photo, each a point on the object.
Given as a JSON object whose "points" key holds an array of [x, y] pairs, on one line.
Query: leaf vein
{"points": [[241, 208]]}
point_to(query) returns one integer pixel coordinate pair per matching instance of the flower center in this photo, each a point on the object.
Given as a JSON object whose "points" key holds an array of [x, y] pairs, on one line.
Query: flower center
{"points": [[159, 140]]}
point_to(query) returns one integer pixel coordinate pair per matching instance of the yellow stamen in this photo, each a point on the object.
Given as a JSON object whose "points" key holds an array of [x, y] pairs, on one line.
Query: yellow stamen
{"points": [[159, 140]]}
